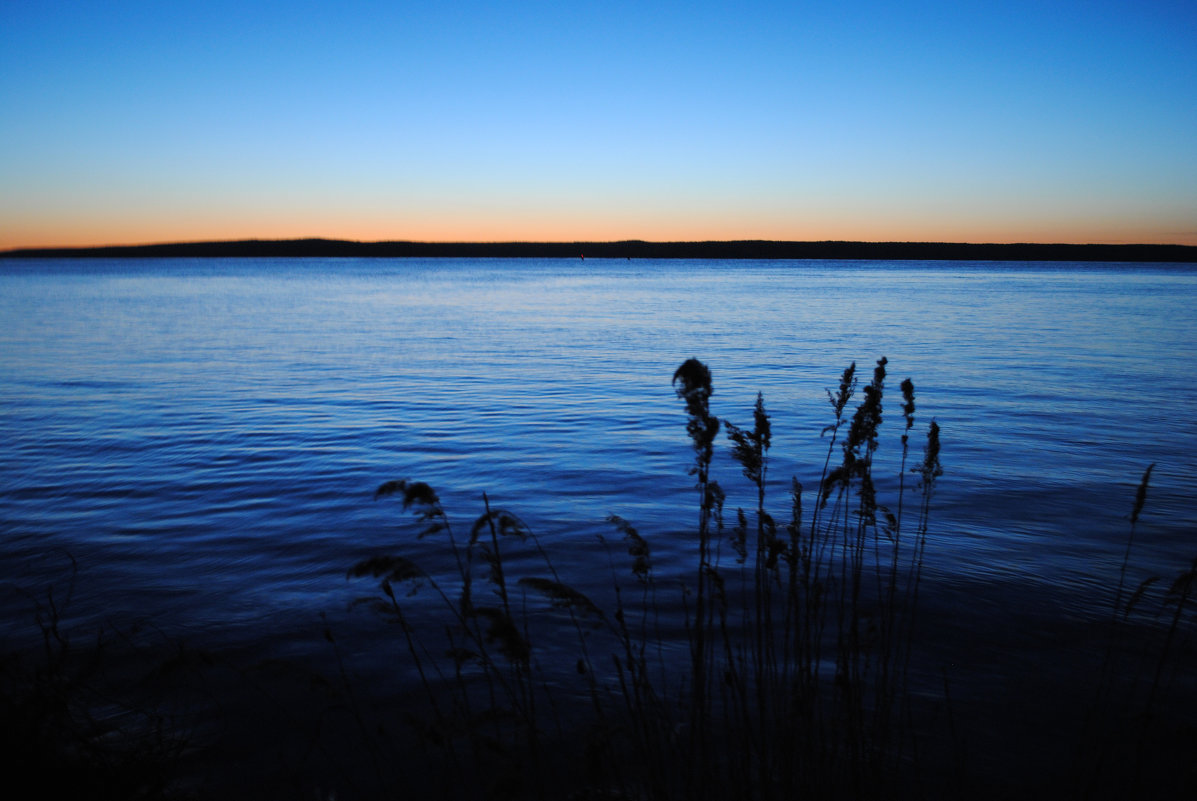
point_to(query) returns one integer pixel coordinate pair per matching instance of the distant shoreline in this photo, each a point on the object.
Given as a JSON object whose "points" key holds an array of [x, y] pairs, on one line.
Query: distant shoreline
{"points": [[631, 249]]}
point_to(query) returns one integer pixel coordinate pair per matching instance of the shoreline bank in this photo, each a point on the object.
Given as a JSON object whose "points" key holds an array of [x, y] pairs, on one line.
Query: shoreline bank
{"points": [[631, 249]]}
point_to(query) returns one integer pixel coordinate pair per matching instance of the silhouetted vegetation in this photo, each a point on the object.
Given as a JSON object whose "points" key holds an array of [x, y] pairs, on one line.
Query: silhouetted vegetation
{"points": [[632, 249], [800, 636], [799, 633], [69, 727], [788, 675]]}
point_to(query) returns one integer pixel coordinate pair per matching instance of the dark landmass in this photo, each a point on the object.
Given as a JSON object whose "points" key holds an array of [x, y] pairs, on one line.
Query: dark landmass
{"points": [[633, 249]]}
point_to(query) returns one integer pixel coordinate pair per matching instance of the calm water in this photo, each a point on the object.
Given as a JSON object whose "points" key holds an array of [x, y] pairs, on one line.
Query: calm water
{"points": [[204, 436]]}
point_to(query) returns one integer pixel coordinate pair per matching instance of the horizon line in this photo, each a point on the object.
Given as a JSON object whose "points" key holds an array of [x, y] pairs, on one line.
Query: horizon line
{"points": [[475, 242], [737, 249], [159, 243]]}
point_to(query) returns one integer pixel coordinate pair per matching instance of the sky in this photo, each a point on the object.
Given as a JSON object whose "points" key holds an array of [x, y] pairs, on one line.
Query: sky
{"points": [[1041, 121]]}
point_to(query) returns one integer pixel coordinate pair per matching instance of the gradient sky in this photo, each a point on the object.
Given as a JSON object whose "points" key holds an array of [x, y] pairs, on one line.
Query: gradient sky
{"points": [[132, 122]]}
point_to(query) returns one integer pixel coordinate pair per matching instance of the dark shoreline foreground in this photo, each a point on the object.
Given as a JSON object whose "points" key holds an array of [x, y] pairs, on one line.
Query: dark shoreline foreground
{"points": [[631, 249]]}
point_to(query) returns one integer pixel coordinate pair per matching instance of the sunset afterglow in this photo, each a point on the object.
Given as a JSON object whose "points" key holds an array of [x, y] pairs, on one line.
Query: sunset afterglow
{"points": [[936, 121]]}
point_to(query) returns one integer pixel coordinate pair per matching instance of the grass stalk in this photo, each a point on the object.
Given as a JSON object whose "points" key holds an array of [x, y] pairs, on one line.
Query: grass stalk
{"points": [[757, 709]]}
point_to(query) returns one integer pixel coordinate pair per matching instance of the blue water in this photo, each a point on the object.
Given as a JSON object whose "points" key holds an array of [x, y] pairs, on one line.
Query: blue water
{"points": [[203, 437]]}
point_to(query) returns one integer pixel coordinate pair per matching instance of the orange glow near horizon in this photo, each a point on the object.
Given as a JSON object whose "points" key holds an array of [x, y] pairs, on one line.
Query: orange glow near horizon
{"points": [[594, 214], [99, 232]]}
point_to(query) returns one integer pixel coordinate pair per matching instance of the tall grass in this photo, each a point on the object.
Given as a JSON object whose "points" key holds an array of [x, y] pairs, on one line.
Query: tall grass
{"points": [[72, 724], [1129, 748], [787, 672], [799, 633]]}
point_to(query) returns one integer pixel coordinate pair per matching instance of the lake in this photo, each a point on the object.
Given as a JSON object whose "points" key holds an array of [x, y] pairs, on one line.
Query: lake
{"points": [[203, 437]]}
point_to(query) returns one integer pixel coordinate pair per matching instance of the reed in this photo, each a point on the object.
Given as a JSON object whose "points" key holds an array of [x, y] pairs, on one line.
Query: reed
{"points": [[73, 723], [791, 678], [1128, 749], [798, 646]]}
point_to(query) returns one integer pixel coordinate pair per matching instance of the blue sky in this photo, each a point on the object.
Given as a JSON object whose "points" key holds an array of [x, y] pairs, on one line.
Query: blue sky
{"points": [[131, 122]]}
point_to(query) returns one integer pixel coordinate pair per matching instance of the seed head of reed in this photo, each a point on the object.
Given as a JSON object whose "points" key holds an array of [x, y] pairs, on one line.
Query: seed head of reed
{"points": [[1141, 494], [739, 537], [761, 431], [415, 493], [847, 387], [563, 596], [387, 568], [863, 429], [505, 523], [794, 527], [637, 547], [749, 447], [930, 469], [868, 498], [1137, 596], [745, 451], [867, 419], [1182, 585], [775, 546], [713, 499], [692, 381], [908, 406], [695, 380], [838, 477]]}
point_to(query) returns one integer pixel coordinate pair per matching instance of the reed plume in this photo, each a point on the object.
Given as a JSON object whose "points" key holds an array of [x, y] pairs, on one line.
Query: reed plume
{"points": [[757, 713]]}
